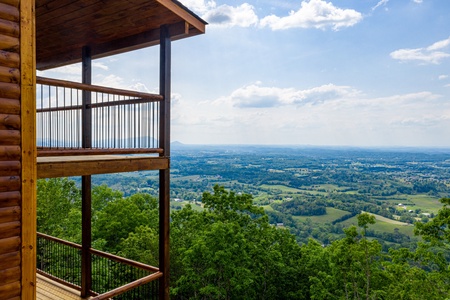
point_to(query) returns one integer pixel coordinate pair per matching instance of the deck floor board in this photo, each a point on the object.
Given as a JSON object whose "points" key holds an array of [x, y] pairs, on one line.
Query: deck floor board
{"points": [[50, 290]]}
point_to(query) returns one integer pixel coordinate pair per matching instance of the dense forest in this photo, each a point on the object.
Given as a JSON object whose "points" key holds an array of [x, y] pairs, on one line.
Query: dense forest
{"points": [[227, 248]]}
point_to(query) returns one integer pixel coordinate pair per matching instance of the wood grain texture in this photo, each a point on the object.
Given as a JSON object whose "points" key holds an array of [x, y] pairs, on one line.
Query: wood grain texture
{"points": [[14, 3], [9, 168], [66, 166], [9, 245], [9, 260], [9, 214], [108, 27], [9, 12], [9, 183], [10, 152], [9, 122], [10, 275], [9, 90], [9, 106], [9, 229], [9, 75], [9, 28], [9, 59], [28, 144], [8, 199], [10, 290]]}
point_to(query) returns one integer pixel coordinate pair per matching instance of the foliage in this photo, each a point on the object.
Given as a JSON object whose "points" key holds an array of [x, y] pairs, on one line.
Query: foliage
{"points": [[229, 250]]}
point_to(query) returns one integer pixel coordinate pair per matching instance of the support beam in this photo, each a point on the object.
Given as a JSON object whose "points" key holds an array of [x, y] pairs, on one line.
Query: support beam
{"points": [[164, 175], [28, 148], [86, 206]]}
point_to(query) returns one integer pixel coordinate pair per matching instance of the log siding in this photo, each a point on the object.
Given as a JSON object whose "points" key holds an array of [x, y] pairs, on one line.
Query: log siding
{"points": [[17, 73], [10, 158]]}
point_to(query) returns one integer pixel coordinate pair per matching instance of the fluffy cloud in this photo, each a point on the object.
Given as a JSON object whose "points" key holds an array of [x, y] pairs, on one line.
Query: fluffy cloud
{"points": [[199, 6], [223, 15], [258, 96], [314, 14], [433, 54], [229, 16], [273, 115]]}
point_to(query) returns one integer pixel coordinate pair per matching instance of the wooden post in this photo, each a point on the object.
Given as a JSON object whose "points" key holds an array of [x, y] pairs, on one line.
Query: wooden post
{"points": [[28, 148], [86, 206], [164, 175], [86, 78]]}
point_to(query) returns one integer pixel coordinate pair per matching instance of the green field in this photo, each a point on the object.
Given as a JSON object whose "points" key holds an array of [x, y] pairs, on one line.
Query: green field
{"points": [[282, 188], [286, 189], [331, 215], [382, 226], [424, 202]]}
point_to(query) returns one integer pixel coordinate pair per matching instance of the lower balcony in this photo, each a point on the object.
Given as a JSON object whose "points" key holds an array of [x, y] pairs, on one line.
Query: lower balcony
{"points": [[59, 268]]}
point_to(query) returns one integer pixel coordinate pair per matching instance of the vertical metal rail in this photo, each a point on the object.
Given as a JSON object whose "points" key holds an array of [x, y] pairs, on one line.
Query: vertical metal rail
{"points": [[86, 266], [164, 175]]}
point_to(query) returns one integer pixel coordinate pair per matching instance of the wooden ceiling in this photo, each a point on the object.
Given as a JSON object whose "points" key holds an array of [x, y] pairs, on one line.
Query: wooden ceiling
{"points": [[109, 27]]}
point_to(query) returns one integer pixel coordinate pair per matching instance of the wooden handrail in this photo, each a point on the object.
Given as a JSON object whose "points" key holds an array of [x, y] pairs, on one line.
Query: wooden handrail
{"points": [[96, 88], [129, 286], [97, 105], [54, 239], [124, 260]]}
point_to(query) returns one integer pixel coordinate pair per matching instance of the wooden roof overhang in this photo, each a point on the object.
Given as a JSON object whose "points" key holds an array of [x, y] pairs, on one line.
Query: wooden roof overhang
{"points": [[108, 27]]}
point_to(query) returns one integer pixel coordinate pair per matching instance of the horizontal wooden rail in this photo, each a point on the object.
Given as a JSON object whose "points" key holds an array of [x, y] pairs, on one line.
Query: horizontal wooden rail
{"points": [[129, 286], [124, 260], [96, 105], [54, 239], [98, 89], [94, 151]]}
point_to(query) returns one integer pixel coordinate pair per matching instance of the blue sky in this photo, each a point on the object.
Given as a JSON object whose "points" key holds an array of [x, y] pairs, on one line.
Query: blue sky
{"points": [[312, 72]]}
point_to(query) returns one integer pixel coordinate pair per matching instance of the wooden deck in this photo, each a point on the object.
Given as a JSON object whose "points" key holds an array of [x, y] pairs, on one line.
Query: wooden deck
{"points": [[66, 166], [51, 290]]}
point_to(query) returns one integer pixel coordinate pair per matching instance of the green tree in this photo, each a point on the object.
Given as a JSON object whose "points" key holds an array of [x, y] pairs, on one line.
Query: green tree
{"points": [[59, 204], [230, 251], [120, 217]]}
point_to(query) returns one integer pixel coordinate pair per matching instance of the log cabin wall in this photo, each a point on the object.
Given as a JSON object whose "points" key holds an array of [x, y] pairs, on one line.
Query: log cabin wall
{"points": [[17, 154]]}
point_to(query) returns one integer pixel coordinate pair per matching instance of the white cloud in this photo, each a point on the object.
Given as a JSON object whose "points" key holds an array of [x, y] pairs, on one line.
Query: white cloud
{"points": [[442, 77], [314, 14], [229, 16], [258, 96], [381, 3], [199, 6], [100, 65], [417, 1], [348, 118], [223, 15], [431, 54]]}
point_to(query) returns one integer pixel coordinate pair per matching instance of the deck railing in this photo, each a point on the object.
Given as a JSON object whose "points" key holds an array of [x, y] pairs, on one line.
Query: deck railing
{"points": [[112, 276], [113, 120]]}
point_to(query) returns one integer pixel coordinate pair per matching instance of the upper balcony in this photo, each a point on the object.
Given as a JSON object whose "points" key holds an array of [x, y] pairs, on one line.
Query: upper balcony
{"points": [[85, 129]]}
